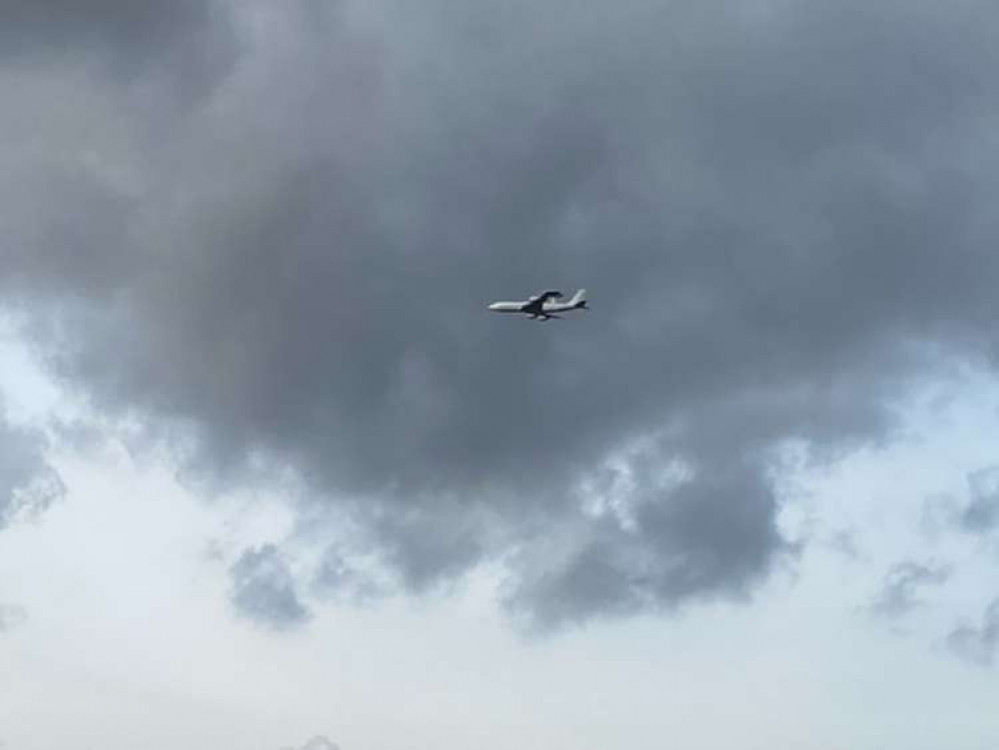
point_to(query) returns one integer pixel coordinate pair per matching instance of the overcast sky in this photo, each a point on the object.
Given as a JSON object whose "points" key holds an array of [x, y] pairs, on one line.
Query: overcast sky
{"points": [[272, 476]]}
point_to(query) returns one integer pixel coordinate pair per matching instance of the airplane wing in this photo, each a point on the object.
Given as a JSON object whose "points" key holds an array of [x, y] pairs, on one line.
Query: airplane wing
{"points": [[547, 295], [535, 305]]}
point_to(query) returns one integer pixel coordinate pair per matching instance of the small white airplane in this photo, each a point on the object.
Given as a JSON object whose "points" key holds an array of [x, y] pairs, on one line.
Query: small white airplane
{"points": [[541, 306]]}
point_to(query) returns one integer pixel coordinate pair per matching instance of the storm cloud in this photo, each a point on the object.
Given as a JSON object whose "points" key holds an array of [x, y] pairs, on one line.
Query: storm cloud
{"points": [[783, 213], [133, 42]]}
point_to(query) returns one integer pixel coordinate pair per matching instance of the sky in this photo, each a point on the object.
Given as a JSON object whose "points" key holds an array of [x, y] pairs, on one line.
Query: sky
{"points": [[272, 477]]}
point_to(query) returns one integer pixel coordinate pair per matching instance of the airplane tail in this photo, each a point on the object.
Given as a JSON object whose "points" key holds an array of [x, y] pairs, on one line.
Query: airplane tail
{"points": [[579, 299]]}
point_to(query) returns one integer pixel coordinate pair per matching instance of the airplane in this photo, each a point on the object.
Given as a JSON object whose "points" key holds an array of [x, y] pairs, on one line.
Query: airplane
{"points": [[541, 306]]}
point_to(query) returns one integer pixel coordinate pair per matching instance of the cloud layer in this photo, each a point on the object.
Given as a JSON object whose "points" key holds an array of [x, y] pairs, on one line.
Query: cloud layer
{"points": [[783, 214], [135, 43]]}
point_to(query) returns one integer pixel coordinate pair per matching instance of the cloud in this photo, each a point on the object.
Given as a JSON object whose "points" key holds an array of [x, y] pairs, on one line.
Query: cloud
{"points": [[982, 514], [337, 579], [191, 42], [978, 644], [779, 237], [978, 515], [898, 595], [845, 543], [28, 485], [317, 743], [264, 590], [711, 535], [11, 616]]}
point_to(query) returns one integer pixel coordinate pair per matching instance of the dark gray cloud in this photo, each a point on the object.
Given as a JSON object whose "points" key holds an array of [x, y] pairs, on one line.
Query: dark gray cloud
{"points": [[784, 216], [978, 644], [899, 591], [710, 536], [264, 590], [192, 41]]}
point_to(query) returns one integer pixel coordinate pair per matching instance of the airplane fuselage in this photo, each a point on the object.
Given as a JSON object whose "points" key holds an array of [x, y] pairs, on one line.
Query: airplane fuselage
{"points": [[526, 307], [541, 306]]}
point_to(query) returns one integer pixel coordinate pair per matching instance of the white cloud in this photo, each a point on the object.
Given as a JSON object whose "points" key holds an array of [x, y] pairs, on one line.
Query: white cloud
{"points": [[317, 743]]}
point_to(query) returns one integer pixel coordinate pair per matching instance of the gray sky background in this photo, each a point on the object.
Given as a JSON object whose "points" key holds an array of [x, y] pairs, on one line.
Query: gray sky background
{"points": [[248, 248]]}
